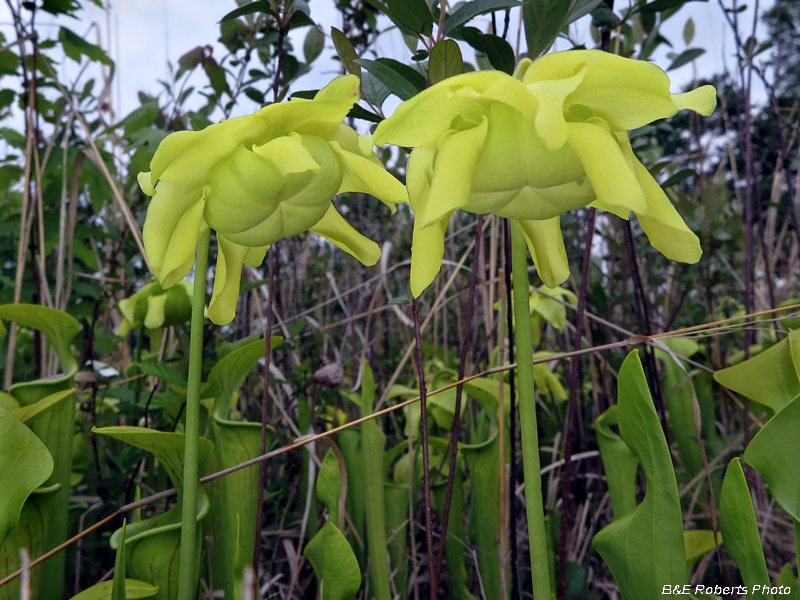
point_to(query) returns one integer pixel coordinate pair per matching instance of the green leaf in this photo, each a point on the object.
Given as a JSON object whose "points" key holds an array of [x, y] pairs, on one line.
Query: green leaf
{"points": [[662, 5], [619, 463], [58, 327], [445, 62], [402, 80], [313, 44], [163, 371], [774, 452], [25, 464], [75, 46], [483, 463], [358, 112], [9, 63], [346, 52], [787, 579], [412, 15], [334, 563], [739, 527], [329, 485], [770, 378], [144, 116], [118, 583], [645, 549], [248, 9], [230, 372], [679, 176], [233, 498], [581, 8], [497, 50], [373, 442], [133, 589], [472, 9], [697, 543], [688, 31], [686, 57], [544, 20], [167, 447]]}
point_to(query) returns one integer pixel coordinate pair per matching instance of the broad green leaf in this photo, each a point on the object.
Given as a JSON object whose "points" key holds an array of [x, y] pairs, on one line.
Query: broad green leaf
{"points": [[645, 549], [25, 464], [680, 399], [737, 522], [313, 44], [30, 534], [774, 452], [486, 390], [770, 378], [471, 9], [396, 507], [544, 20], [373, 442], [662, 5], [75, 46], [619, 463], [55, 426], [167, 447], [153, 547], [334, 563], [329, 485], [445, 61], [402, 80], [411, 15], [102, 591], [233, 499], [581, 8], [686, 57], [497, 50], [350, 445], [230, 372], [346, 52], [787, 579], [484, 466], [58, 327], [248, 9], [698, 543]]}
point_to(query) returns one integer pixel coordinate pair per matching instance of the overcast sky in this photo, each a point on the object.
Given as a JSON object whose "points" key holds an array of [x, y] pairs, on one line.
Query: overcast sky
{"points": [[143, 35]]}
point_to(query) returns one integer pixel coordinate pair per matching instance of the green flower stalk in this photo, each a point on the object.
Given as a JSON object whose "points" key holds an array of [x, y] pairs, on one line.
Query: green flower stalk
{"points": [[258, 179], [530, 147], [255, 180], [551, 139]]}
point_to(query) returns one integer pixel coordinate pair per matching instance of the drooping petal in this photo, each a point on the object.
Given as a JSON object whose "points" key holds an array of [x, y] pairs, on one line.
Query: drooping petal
{"points": [[255, 256], [156, 306], [368, 175], [427, 254], [227, 279], [546, 245], [664, 227], [170, 243], [608, 170], [451, 183], [334, 228]]}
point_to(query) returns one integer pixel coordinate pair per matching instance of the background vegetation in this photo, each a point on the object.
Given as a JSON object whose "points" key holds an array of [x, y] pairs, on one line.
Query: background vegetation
{"points": [[70, 220]]}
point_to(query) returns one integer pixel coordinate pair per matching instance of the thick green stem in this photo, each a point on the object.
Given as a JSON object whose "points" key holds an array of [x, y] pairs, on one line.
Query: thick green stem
{"points": [[537, 534], [187, 582]]}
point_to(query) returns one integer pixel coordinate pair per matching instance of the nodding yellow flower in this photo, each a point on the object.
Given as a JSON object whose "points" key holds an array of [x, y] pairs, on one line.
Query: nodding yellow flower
{"points": [[257, 179], [550, 139], [154, 307]]}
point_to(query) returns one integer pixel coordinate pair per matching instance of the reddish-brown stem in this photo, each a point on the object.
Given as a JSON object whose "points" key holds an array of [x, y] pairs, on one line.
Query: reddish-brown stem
{"points": [[465, 344], [426, 471]]}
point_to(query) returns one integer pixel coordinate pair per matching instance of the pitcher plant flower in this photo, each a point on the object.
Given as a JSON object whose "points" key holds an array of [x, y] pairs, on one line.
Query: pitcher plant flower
{"points": [[257, 179], [530, 147]]}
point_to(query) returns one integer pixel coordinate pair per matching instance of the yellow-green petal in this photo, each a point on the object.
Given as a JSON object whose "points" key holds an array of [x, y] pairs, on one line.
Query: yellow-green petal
{"points": [[368, 175], [255, 256], [546, 244], [156, 305], [227, 279], [607, 167], [551, 94], [334, 228], [451, 183]]}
